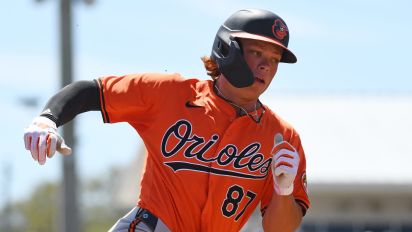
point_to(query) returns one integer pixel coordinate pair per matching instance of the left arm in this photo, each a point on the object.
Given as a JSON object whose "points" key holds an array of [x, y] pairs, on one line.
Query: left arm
{"points": [[282, 214]]}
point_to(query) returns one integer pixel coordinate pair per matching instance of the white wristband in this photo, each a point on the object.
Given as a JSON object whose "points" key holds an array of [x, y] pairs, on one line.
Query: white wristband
{"points": [[45, 121]]}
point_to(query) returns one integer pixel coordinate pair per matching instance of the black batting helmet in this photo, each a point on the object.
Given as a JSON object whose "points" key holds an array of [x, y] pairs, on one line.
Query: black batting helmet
{"points": [[249, 24]]}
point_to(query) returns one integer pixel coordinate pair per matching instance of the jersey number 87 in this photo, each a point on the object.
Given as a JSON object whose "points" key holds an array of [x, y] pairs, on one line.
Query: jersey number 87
{"points": [[234, 196]]}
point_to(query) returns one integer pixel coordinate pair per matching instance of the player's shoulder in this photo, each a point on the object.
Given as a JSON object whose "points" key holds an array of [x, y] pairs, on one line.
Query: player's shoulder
{"points": [[167, 78], [278, 122], [276, 118], [154, 79]]}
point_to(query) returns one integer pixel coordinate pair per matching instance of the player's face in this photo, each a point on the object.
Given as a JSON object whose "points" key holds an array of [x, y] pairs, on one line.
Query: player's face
{"points": [[263, 59]]}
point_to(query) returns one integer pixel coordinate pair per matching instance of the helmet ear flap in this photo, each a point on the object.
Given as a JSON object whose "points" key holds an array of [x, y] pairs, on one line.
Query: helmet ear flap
{"points": [[234, 67], [223, 48]]}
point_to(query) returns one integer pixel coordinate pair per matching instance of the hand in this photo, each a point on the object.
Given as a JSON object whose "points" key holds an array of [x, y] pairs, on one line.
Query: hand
{"points": [[42, 139], [285, 163]]}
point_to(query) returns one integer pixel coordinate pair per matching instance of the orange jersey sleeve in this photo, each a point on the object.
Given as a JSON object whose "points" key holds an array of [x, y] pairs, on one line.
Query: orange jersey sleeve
{"points": [[131, 98]]}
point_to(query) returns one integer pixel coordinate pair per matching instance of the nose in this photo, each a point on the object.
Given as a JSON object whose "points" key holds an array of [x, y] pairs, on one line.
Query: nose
{"points": [[264, 64]]}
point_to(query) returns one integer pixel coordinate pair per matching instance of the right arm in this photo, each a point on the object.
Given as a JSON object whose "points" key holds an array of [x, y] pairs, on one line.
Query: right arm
{"points": [[74, 99], [41, 137]]}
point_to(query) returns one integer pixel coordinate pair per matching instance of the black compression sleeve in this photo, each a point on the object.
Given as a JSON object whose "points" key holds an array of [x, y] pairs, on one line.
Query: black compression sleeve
{"points": [[74, 99]]}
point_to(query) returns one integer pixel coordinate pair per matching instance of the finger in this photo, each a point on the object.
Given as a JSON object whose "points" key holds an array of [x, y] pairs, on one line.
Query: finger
{"points": [[42, 144], [27, 139], [284, 152], [34, 147], [52, 143], [64, 149], [284, 161], [283, 145]]}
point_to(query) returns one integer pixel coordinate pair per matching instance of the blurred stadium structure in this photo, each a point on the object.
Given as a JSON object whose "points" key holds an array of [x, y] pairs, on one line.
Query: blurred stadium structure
{"points": [[353, 186]]}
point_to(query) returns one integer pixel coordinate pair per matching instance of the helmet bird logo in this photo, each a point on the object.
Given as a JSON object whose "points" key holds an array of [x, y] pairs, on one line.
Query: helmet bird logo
{"points": [[279, 29]]}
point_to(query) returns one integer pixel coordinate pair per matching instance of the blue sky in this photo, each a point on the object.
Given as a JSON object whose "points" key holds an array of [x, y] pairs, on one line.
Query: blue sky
{"points": [[352, 46]]}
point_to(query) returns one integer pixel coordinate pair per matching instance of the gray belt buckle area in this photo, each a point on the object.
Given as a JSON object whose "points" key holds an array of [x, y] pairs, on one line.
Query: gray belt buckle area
{"points": [[149, 219]]}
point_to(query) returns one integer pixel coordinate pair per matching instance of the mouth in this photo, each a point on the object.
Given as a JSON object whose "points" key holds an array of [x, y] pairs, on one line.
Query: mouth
{"points": [[260, 80]]}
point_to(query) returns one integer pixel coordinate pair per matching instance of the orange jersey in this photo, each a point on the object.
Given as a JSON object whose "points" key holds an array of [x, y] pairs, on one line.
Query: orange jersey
{"points": [[207, 169]]}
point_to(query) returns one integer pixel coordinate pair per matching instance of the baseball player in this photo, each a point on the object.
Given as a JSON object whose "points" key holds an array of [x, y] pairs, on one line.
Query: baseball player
{"points": [[215, 152]]}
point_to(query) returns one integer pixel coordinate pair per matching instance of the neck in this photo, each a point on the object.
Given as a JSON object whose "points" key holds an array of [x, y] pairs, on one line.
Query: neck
{"points": [[235, 100]]}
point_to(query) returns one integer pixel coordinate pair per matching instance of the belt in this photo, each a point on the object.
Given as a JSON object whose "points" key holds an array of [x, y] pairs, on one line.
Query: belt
{"points": [[147, 217]]}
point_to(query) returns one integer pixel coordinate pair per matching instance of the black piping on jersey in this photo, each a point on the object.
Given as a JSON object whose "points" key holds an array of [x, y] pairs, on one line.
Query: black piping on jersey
{"points": [[105, 115], [303, 206]]}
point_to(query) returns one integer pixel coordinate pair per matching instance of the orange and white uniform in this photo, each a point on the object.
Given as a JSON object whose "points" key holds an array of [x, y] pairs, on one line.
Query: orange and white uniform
{"points": [[207, 169]]}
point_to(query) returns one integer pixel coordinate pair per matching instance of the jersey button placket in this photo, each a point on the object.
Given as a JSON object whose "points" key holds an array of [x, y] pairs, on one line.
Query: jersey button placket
{"points": [[232, 126]]}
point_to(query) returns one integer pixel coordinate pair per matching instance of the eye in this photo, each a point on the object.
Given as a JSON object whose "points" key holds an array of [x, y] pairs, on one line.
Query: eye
{"points": [[256, 53], [274, 60]]}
